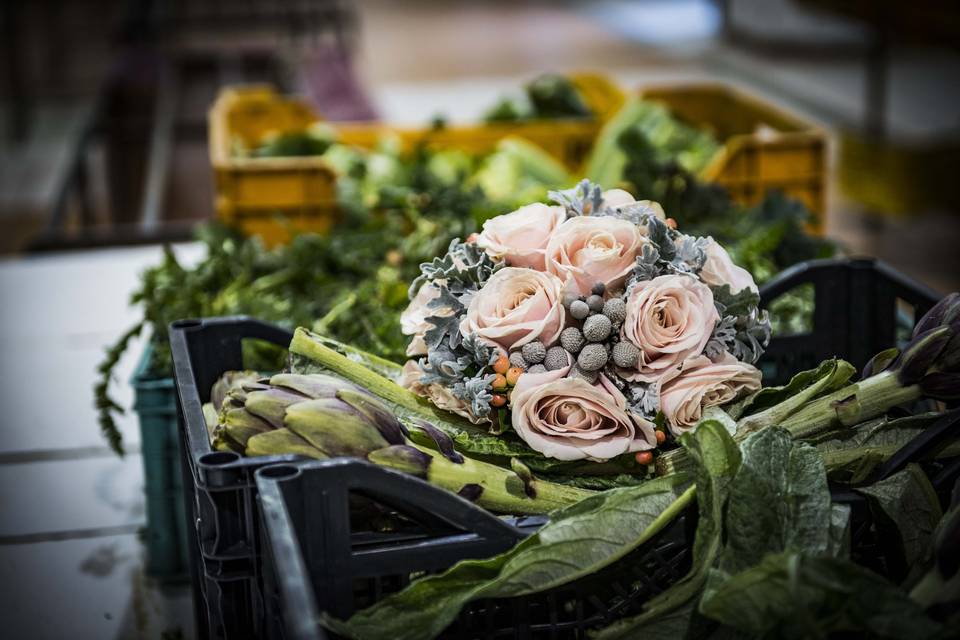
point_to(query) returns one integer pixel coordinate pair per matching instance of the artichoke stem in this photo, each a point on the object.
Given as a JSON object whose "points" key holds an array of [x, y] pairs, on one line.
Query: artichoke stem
{"points": [[502, 490]]}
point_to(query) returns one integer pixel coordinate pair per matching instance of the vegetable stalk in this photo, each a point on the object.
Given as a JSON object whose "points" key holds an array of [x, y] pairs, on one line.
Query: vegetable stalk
{"points": [[321, 416], [929, 366]]}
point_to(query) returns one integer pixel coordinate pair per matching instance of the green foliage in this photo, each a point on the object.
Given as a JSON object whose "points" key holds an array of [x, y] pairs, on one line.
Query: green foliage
{"points": [[908, 500], [779, 501], [829, 375], [717, 460], [549, 96], [596, 531], [352, 283], [793, 595]]}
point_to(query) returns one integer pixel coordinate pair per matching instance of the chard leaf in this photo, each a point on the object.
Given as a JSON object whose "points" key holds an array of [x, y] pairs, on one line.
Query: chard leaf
{"points": [[717, 459], [789, 595], [851, 455], [580, 539], [779, 501], [782, 402], [830, 375], [882, 431], [908, 501], [938, 582]]}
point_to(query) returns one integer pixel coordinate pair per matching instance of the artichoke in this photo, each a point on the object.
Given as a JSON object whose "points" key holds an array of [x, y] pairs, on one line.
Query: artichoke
{"points": [[322, 416]]}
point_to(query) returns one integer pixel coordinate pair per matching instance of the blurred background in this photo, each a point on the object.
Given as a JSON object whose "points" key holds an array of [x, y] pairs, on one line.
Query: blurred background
{"points": [[107, 116]]}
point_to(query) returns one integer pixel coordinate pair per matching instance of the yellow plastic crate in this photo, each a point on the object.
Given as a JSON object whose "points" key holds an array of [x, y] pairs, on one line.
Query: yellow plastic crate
{"points": [[269, 197], [567, 140], [257, 193], [764, 147]]}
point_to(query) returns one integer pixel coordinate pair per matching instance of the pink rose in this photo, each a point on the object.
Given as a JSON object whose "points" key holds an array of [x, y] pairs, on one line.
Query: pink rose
{"points": [[439, 395], [670, 319], [719, 270], [515, 307], [588, 249], [614, 198], [520, 237], [413, 320], [571, 419], [701, 383]]}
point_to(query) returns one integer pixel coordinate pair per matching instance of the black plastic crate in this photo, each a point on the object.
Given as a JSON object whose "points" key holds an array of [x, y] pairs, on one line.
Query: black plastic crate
{"points": [[219, 489], [221, 493], [320, 561], [861, 307]]}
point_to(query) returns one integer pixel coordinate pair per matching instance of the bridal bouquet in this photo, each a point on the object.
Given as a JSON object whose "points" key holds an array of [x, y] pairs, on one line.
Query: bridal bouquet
{"points": [[592, 328]]}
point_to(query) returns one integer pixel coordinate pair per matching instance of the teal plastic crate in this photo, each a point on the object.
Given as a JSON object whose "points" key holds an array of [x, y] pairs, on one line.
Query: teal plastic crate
{"points": [[166, 534]]}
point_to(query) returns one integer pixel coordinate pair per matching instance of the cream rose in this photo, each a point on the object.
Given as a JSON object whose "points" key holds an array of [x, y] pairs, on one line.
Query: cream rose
{"points": [[520, 238], [614, 198], [515, 307], [586, 250], [701, 383], [413, 320], [571, 419], [439, 395], [670, 319], [719, 270]]}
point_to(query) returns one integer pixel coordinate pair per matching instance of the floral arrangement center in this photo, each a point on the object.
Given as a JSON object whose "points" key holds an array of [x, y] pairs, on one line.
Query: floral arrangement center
{"points": [[591, 328]]}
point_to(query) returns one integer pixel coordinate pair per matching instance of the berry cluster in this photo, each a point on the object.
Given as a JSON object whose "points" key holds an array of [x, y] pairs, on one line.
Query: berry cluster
{"points": [[591, 346]]}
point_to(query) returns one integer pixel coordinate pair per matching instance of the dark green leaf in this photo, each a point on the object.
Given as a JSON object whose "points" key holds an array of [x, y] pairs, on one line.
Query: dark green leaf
{"points": [[788, 595], [779, 501], [909, 501], [717, 459], [579, 540]]}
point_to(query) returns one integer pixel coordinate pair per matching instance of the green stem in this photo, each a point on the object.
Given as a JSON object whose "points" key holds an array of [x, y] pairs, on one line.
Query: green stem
{"points": [[851, 405], [321, 325], [503, 490], [839, 458], [848, 406], [386, 368], [839, 374], [404, 402]]}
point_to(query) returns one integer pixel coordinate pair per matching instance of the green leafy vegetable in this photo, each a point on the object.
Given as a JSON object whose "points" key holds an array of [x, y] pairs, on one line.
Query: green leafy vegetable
{"points": [[578, 541], [717, 459], [548, 96], [908, 501], [829, 375], [791, 595], [779, 501]]}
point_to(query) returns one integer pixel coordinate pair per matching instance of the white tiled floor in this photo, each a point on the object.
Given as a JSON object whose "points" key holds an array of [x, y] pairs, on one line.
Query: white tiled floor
{"points": [[71, 511]]}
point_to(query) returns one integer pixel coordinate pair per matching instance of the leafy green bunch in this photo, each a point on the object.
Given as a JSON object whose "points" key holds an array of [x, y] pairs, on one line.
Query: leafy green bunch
{"points": [[350, 285], [770, 557]]}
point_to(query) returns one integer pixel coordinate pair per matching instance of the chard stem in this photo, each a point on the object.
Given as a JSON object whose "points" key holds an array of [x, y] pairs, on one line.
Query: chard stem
{"points": [[850, 405]]}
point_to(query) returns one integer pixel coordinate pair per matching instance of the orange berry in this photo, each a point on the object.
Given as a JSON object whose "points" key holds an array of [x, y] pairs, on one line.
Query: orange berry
{"points": [[498, 400], [661, 436], [500, 382], [513, 374], [502, 364], [643, 457], [670, 222]]}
